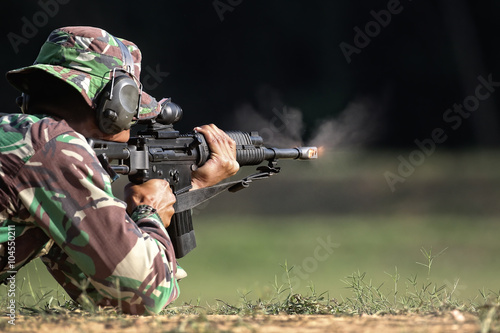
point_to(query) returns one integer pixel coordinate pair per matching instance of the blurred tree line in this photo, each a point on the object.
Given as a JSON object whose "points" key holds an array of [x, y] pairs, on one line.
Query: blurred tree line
{"points": [[413, 60]]}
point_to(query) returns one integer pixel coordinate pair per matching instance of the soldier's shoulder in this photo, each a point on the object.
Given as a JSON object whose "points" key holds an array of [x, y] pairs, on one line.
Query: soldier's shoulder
{"points": [[32, 130]]}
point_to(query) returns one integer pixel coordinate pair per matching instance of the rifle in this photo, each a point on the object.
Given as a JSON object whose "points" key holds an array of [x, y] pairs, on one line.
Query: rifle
{"points": [[159, 151]]}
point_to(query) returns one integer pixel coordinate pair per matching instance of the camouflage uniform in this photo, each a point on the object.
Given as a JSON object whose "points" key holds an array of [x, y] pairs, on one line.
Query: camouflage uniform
{"points": [[58, 197]]}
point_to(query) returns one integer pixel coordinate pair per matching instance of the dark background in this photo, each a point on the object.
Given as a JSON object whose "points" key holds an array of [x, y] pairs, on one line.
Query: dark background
{"points": [[286, 54]]}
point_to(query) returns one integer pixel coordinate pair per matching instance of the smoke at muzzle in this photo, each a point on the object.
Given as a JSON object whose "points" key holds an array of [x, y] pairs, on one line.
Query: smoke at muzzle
{"points": [[356, 126], [283, 126]]}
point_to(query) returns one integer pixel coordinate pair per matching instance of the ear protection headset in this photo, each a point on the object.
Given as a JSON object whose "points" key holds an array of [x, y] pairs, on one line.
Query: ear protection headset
{"points": [[118, 103]]}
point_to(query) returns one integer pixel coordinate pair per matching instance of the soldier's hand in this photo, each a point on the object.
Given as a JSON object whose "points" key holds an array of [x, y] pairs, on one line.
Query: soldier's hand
{"points": [[155, 193], [222, 162]]}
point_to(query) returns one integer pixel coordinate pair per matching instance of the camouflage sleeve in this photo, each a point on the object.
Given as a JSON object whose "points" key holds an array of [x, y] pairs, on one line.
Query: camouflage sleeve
{"points": [[102, 253]]}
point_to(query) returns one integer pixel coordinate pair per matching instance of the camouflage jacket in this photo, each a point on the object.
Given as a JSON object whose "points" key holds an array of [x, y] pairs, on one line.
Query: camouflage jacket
{"points": [[58, 198]]}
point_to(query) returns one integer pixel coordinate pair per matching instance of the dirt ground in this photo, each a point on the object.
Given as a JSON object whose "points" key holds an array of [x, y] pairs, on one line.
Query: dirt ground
{"points": [[451, 322]]}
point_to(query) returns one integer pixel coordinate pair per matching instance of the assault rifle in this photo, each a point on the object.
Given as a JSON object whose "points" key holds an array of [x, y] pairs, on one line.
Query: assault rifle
{"points": [[159, 151]]}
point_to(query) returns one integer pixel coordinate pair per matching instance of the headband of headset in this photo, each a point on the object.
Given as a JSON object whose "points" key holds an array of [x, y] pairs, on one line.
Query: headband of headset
{"points": [[119, 101]]}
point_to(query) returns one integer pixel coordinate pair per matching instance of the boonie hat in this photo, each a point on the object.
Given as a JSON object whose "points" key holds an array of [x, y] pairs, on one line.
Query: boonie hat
{"points": [[83, 57]]}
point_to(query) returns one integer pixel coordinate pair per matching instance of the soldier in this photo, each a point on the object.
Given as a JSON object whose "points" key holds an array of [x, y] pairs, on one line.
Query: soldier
{"points": [[56, 196]]}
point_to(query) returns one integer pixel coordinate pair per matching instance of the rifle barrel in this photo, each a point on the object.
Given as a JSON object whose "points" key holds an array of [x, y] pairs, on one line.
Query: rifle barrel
{"points": [[297, 153], [250, 150]]}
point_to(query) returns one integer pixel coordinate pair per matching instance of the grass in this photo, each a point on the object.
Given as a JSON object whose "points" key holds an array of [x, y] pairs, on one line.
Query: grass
{"points": [[364, 297], [238, 255], [430, 247], [376, 266], [250, 251]]}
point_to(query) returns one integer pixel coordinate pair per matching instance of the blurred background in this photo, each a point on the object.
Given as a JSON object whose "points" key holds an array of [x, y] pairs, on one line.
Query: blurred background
{"points": [[400, 95]]}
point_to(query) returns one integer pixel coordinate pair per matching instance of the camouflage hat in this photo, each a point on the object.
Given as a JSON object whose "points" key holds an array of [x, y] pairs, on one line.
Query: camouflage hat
{"points": [[83, 57]]}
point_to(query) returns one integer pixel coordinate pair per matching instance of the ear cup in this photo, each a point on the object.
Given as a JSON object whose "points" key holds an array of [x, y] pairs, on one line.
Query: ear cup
{"points": [[118, 105]]}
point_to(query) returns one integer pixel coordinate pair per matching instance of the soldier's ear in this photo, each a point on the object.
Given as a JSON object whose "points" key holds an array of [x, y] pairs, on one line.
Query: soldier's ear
{"points": [[22, 101]]}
